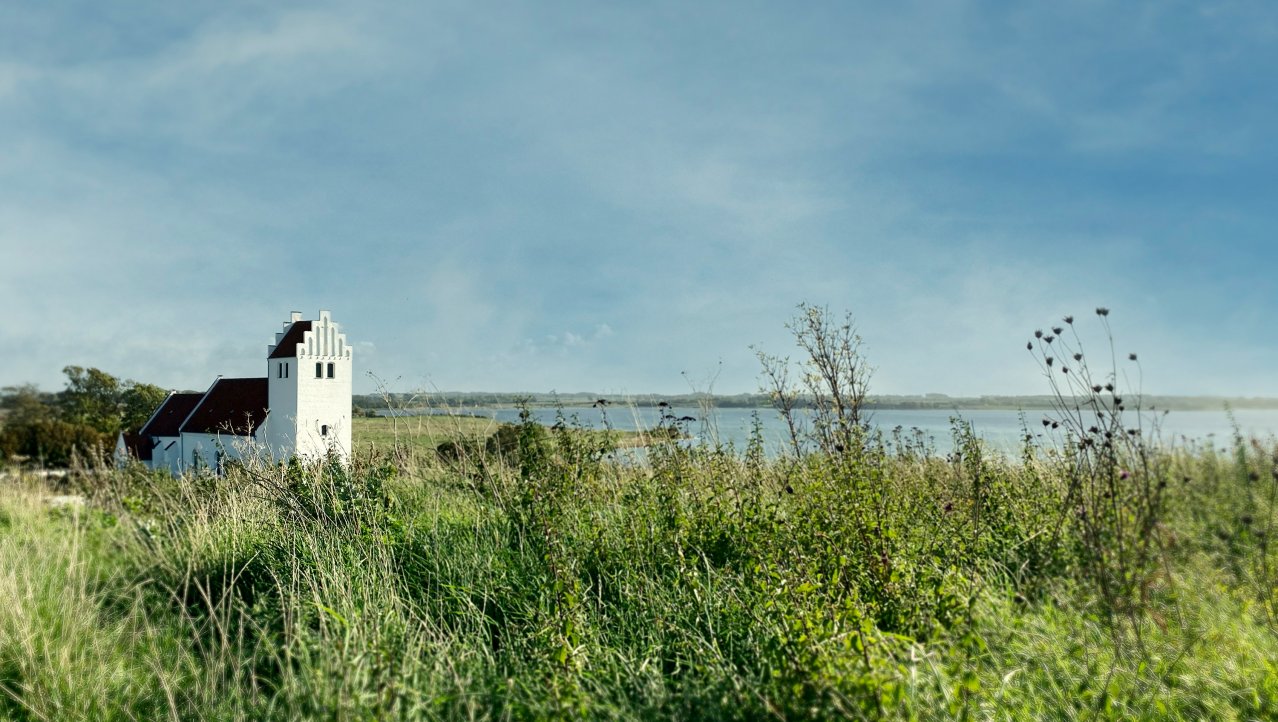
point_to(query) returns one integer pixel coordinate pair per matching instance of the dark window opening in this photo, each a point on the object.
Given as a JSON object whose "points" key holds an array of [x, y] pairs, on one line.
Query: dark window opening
{"points": [[330, 371], [319, 370], [324, 430]]}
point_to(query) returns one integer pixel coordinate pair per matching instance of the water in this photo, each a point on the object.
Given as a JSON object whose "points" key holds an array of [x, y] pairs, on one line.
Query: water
{"points": [[1000, 429]]}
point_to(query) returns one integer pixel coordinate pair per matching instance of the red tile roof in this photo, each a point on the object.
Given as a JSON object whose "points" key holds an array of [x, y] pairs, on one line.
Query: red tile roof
{"points": [[236, 406], [169, 417], [287, 347]]}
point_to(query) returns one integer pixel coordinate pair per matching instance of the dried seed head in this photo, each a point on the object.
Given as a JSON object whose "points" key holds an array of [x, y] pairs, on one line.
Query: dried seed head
{"points": [[1096, 389], [1102, 311], [1109, 387], [1049, 339], [1038, 333], [1078, 357], [1069, 320], [1029, 345], [1057, 330], [1049, 360], [1047, 422], [1064, 369], [1131, 357]]}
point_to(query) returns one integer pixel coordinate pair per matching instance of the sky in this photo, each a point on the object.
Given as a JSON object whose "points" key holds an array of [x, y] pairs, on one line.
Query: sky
{"points": [[629, 197]]}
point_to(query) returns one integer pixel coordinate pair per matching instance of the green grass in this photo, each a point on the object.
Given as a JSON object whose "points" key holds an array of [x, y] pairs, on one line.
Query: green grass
{"points": [[418, 434], [415, 439], [557, 584]]}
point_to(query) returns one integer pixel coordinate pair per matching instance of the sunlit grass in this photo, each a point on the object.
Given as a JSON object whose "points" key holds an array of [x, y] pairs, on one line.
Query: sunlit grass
{"points": [[552, 582]]}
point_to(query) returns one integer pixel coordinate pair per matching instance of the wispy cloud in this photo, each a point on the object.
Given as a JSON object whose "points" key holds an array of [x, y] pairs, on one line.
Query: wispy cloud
{"points": [[576, 196]]}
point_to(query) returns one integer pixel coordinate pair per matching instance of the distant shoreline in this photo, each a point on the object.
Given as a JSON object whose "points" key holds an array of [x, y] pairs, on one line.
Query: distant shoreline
{"points": [[460, 401]]}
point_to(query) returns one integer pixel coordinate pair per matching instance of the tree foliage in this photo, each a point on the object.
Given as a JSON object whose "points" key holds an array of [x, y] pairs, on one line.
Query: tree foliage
{"points": [[85, 416]]}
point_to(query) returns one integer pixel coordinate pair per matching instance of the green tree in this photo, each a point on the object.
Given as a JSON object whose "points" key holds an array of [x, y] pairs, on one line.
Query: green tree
{"points": [[137, 402], [91, 398], [104, 403], [25, 404]]}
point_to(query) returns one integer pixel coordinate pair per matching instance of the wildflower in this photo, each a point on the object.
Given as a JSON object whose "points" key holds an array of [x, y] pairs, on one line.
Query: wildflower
{"points": [[1102, 311]]}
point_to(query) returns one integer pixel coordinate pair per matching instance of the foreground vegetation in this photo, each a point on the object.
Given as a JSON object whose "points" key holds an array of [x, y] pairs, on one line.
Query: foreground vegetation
{"points": [[705, 584], [545, 576]]}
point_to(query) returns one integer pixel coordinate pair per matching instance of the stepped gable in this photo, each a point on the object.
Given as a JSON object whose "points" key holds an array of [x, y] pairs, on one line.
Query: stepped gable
{"points": [[167, 420], [287, 347], [236, 406]]}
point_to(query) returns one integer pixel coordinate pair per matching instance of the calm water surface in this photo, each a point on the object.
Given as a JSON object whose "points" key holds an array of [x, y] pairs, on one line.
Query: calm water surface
{"points": [[1002, 430]]}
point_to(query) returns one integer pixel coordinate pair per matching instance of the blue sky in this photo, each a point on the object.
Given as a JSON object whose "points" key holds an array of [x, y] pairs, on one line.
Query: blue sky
{"points": [[626, 197]]}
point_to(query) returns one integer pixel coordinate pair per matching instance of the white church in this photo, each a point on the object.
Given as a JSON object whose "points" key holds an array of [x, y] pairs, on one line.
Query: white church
{"points": [[301, 408]]}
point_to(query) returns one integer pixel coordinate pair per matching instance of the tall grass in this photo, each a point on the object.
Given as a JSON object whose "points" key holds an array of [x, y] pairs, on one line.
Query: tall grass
{"points": [[704, 584]]}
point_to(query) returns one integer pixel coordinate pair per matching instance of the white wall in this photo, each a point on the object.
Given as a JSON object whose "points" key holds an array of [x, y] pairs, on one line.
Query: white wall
{"points": [[208, 446], [170, 458]]}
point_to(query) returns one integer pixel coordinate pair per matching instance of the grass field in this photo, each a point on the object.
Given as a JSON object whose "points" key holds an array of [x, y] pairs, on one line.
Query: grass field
{"points": [[418, 437], [552, 583]]}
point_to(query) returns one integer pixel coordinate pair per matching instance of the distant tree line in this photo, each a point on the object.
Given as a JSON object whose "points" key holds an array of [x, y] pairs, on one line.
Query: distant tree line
{"points": [[51, 427]]}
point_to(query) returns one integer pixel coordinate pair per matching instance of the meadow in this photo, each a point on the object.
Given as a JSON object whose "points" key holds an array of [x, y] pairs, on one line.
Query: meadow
{"points": [[1101, 575]]}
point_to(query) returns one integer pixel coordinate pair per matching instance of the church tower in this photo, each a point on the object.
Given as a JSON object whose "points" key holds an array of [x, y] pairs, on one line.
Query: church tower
{"points": [[309, 369]]}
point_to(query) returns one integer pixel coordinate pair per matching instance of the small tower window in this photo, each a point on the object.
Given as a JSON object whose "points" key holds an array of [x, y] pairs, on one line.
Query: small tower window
{"points": [[330, 371], [319, 370], [324, 430]]}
